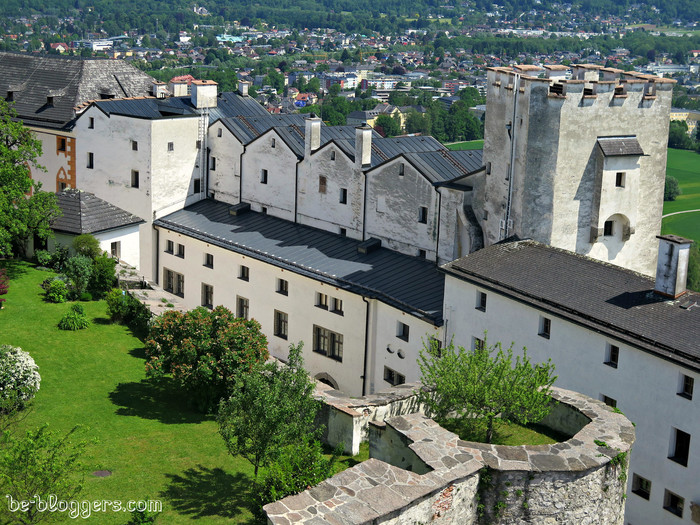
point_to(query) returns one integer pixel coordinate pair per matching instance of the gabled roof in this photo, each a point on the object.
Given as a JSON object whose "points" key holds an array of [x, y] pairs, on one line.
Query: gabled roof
{"points": [[384, 149], [410, 284], [445, 167], [71, 82], [83, 212], [248, 128], [620, 146], [608, 299]]}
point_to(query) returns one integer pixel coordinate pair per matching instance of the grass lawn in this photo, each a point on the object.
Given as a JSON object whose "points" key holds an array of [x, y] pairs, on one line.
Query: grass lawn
{"points": [[153, 445], [504, 433], [684, 166], [470, 144]]}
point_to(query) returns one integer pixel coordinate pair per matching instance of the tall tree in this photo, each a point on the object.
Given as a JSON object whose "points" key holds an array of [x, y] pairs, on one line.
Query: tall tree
{"points": [[24, 209]]}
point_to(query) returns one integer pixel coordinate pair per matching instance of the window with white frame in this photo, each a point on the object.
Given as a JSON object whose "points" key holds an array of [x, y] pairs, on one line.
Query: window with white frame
{"points": [[244, 273], [393, 377], [402, 330], [322, 300], [545, 329], [173, 282], [207, 295], [281, 322], [481, 301], [242, 306], [208, 260], [680, 447], [337, 306], [685, 387], [282, 286], [612, 355], [169, 246], [328, 343]]}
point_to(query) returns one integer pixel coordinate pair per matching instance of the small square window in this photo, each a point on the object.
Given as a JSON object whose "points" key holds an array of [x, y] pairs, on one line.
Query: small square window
{"points": [[263, 176], [281, 324], [423, 215], [422, 253], [477, 344], [608, 228], [208, 260], [134, 178], [545, 327], [612, 355], [181, 250], [90, 160], [283, 286], [263, 210], [134, 145], [242, 307], [91, 123], [219, 132], [673, 503], [686, 386], [322, 184], [343, 196], [481, 301], [680, 447], [608, 400], [393, 377], [207, 296], [322, 300], [343, 232], [169, 247], [641, 486], [620, 179], [337, 306], [171, 146], [244, 273], [402, 330]]}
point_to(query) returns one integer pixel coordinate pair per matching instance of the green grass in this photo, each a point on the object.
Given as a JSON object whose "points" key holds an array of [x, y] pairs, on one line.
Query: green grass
{"points": [[504, 433], [470, 144], [151, 443], [684, 166]]}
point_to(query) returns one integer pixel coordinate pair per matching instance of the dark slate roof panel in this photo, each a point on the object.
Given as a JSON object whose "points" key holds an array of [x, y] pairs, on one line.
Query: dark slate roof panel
{"points": [[411, 284], [247, 128], [384, 149], [83, 212], [446, 166], [607, 298], [231, 104], [620, 146]]}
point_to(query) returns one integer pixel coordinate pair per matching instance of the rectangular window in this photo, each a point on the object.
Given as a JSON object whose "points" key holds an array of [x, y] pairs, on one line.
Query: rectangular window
{"points": [[673, 503], [343, 232], [423, 215], [641, 486], [620, 179], [481, 301], [393, 377], [608, 229], [337, 306], [174, 282], [134, 145], [219, 132], [90, 160], [181, 251], [208, 260], [244, 273], [198, 144], [273, 144], [477, 344], [322, 300], [207, 295], [328, 343], [402, 169], [61, 144], [263, 210], [680, 447], [612, 355], [62, 186], [115, 249], [134, 178], [263, 176], [197, 186], [282, 286], [91, 123], [422, 253], [608, 400], [169, 247], [686, 386], [545, 327], [343, 196], [281, 321], [321, 184], [213, 164], [332, 155], [402, 330], [171, 146], [242, 306]]}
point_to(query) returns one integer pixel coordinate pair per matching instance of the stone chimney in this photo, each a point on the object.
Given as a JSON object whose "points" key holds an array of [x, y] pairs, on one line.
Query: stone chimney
{"points": [[204, 93], [243, 87], [178, 88], [159, 89], [363, 146], [672, 265], [313, 135]]}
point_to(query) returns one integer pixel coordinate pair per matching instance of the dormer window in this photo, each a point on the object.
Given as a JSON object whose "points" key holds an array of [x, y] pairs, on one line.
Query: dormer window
{"points": [[10, 96], [49, 100]]}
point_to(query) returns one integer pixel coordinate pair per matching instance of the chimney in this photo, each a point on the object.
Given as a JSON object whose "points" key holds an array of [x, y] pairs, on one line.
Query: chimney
{"points": [[204, 93], [243, 88], [313, 135], [159, 89], [672, 265], [363, 146], [178, 88]]}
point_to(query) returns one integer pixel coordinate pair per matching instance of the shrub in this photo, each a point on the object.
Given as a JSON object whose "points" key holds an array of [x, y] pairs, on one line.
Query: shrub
{"points": [[43, 257], [116, 304], [671, 189], [123, 308], [143, 517], [103, 277], [57, 291], [19, 378], [87, 245], [60, 258], [78, 270], [86, 296], [75, 319]]}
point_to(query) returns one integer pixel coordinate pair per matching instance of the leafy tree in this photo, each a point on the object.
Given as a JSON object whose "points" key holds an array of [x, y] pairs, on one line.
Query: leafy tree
{"points": [[24, 210], [387, 126], [103, 276], [39, 464], [79, 269], [484, 384], [87, 245], [694, 268], [671, 189], [204, 350], [678, 135], [270, 408]]}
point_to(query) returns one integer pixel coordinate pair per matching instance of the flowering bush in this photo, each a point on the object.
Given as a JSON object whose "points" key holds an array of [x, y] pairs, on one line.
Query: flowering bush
{"points": [[19, 378]]}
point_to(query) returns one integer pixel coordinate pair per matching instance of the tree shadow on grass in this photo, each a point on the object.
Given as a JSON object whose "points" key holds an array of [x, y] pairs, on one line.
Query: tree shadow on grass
{"points": [[154, 399], [139, 353], [14, 268], [101, 320], [202, 492]]}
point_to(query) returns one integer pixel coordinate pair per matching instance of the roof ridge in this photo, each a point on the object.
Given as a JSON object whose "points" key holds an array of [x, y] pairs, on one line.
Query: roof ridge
{"points": [[447, 155]]}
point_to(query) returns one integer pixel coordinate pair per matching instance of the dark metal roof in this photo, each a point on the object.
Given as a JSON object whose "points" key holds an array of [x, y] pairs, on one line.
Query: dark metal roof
{"points": [[606, 298], [83, 212], [411, 284], [247, 128], [231, 104], [388, 148], [620, 146], [71, 82], [444, 166]]}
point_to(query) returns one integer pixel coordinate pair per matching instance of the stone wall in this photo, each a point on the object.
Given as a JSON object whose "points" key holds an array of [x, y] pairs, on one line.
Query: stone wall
{"points": [[420, 472]]}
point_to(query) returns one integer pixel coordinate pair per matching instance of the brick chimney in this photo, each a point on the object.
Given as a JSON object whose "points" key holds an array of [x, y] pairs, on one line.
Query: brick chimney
{"points": [[672, 265], [312, 139], [363, 146]]}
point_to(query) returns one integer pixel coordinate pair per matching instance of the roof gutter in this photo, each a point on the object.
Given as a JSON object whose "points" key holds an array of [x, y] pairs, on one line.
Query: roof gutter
{"points": [[364, 362]]}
